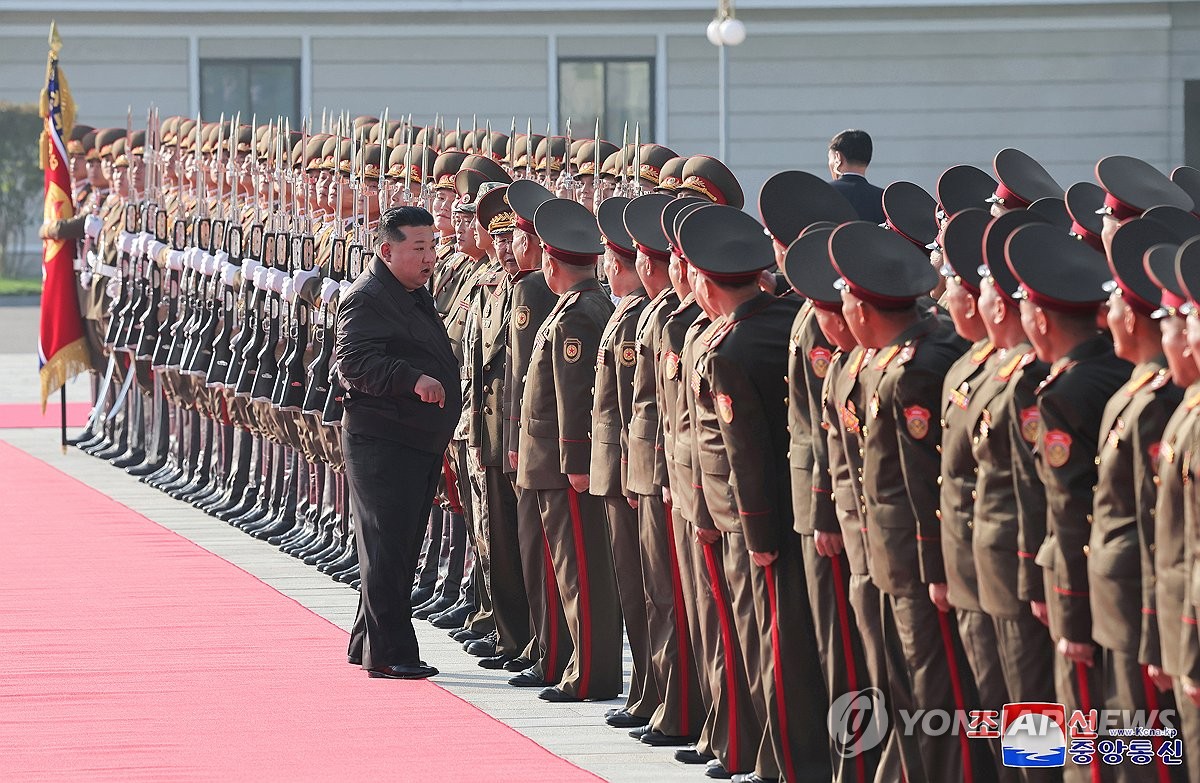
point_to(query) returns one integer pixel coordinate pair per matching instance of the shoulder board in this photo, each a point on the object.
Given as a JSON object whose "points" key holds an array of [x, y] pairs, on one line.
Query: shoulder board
{"points": [[1134, 384], [860, 361], [719, 334], [980, 356], [494, 278], [906, 353], [886, 355], [1053, 376], [1015, 362], [1192, 402], [1161, 379], [569, 299]]}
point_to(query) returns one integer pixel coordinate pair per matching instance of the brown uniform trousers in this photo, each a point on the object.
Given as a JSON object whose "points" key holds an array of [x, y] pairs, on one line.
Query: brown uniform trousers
{"points": [[612, 406], [550, 647], [1071, 401], [555, 442], [927, 668], [744, 373], [1121, 548], [664, 536]]}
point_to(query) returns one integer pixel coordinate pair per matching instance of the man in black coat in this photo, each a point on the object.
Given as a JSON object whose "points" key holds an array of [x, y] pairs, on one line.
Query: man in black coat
{"points": [[402, 403], [849, 155]]}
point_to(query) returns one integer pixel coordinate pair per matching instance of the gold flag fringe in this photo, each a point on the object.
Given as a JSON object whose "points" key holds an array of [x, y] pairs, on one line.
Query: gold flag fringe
{"points": [[71, 360]]}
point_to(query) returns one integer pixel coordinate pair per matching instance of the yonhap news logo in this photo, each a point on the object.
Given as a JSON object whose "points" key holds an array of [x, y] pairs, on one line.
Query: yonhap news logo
{"points": [[1033, 734], [857, 721]]}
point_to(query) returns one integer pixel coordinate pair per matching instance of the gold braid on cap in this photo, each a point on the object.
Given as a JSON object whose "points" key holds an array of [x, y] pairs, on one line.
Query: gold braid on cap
{"points": [[649, 172], [446, 181], [371, 170], [503, 221], [587, 167], [74, 147], [701, 185]]}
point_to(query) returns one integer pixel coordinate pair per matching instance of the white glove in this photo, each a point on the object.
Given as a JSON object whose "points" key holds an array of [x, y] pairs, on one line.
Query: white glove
{"points": [[125, 242], [274, 280], [287, 290], [229, 274], [154, 247], [85, 278], [249, 268], [175, 260], [328, 289], [301, 277], [210, 264], [113, 289], [259, 276], [92, 225]]}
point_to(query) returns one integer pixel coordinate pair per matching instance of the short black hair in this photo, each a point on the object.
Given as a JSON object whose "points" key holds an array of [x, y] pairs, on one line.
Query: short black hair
{"points": [[394, 220], [854, 145]]}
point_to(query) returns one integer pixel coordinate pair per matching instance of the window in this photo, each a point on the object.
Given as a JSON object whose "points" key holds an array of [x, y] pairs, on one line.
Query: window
{"points": [[621, 88], [266, 88], [1191, 123]]}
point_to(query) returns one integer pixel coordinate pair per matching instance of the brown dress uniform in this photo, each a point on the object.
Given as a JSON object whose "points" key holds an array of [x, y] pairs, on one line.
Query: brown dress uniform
{"points": [[612, 407], [1122, 541], [531, 303], [555, 441], [1071, 401]]}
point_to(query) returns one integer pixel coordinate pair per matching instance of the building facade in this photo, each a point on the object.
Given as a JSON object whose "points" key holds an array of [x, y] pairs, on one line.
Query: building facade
{"points": [[934, 83]]}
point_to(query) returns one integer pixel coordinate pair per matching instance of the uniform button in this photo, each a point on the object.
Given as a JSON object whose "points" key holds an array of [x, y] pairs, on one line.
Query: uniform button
{"points": [[939, 481], [943, 423], [487, 411], [974, 495], [487, 367], [487, 389], [975, 470], [1087, 550], [1089, 519], [939, 448], [524, 378], [970, 523], [592, 390], [1152, 547], [938, 513]]}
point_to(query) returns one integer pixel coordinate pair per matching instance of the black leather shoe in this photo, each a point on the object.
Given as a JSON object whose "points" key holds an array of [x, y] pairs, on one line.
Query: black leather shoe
{"points": [[624, 719], [641, 731], [465, 635], [495, 662], [692, 756], [407, 671], [717, 771], [454, 618], [752, 777], [657, 739], [353, 660], [518, 664], [557, 695], [527, 679], [481, 648]]}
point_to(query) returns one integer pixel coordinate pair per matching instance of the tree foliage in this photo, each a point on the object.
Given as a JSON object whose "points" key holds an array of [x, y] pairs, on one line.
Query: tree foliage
{"points": [[21, 181]]}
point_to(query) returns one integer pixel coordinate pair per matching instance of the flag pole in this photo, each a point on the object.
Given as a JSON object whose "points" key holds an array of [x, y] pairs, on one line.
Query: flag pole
{"points": [[62, 402]]}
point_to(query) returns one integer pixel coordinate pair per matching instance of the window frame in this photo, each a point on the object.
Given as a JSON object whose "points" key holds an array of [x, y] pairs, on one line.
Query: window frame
{"points": [[649, 135], [248, 63]]}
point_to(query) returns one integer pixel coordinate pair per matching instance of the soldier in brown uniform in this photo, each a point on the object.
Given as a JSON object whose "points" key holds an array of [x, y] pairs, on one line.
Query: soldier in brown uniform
{"points": [[665, 540], [964, 393], [763, 561], [612, 408], [789, 203], [1059, 303], [1169, 579], [531, 303], [502, 570], [849, 635], [883, 275], [555, 451], [1009, 511]]}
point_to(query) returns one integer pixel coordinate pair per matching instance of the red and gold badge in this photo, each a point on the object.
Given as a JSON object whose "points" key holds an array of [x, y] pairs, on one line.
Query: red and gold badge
{"points": [[1058, 448], [819, 358], [628, 354], [521, 317], [572, 349], [1031, 424], [672, 365], [916, 419], [850, 418], [725, 407], [1153, 451]]}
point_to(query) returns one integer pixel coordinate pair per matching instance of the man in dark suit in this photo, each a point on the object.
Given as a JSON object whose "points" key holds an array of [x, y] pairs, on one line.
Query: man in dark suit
{"points": [[849, 155], [401, 405]]}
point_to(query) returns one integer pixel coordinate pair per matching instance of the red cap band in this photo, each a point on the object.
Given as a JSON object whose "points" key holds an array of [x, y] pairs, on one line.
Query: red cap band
{"points": [[879, 300], [1009, 199], [1079, 232], [1172, 300], [526, 225], [1120, 210], [1054, 304], [624, 252], [575, 259], [654, 255]]}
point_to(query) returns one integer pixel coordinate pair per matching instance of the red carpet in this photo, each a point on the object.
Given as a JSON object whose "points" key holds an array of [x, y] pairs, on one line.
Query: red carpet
{"points": [[21, 415], [128, 653]]}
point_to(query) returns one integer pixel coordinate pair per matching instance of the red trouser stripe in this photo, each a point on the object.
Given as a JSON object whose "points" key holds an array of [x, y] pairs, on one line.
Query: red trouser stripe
{"points": [[789, 767], [956, 688], [843, 610], [585, 597], [1164, 775], [553, 611], [452, 496], [681, 627], [1085, 703], [726, 623]]}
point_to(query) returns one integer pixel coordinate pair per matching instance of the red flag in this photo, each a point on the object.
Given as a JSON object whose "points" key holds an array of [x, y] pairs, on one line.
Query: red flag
{"points": [[62, 349]]}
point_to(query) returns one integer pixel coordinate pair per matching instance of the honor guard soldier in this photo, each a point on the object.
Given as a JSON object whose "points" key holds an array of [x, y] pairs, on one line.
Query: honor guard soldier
{"points": [[665, 541], [555, 450], [531, 302], [612, 408], [745, 375], [1059, 305], [1021, 181], [882, 277]]}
